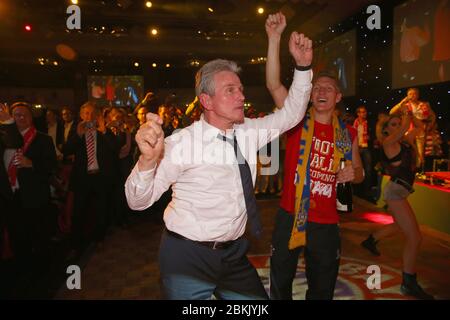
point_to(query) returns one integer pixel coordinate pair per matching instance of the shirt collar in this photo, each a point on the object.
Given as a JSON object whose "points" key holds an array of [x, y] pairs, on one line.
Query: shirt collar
{"points": [[23, 132], [210, 132]]}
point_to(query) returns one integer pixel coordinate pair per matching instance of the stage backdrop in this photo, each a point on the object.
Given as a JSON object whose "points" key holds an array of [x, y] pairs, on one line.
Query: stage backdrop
{"points": [[339, 55], [421, 46]]}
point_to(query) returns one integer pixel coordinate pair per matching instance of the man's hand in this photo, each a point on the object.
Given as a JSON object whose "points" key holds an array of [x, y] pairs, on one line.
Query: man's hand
{"points": [[150, 140], [346, 174], [85, 126], [23, 162], [275, 25], [301, 49]]}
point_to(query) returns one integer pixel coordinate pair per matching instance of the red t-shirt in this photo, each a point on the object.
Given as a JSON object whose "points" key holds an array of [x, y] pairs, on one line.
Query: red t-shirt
{"points": [[327, 212], [322, 207]]}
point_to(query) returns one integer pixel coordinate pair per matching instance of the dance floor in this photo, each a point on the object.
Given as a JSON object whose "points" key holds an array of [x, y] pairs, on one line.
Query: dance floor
{"points": [[126, 267]]}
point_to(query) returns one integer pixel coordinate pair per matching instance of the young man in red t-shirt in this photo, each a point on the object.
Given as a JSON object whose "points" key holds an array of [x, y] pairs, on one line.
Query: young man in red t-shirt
{"points": [[322, 240]]}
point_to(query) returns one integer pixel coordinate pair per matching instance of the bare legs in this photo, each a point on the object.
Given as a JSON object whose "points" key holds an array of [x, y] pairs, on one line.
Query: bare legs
{"points": [[405, 220]]}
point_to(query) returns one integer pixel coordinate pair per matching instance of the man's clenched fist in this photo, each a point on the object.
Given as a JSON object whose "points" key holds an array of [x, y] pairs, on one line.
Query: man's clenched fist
{"points": [[150, 140]]}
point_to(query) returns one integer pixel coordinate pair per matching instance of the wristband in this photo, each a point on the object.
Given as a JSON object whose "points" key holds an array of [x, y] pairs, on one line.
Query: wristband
{"points": [[303, 68]]}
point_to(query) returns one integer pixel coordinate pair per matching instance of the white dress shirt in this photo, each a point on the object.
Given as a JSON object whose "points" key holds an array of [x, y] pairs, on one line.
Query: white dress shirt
{"points": [[207, 200]]}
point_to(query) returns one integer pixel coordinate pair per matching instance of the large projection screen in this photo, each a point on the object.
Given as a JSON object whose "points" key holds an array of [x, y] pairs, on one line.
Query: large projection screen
{"points": [[421, 46], [116, 91], [339, 56]]}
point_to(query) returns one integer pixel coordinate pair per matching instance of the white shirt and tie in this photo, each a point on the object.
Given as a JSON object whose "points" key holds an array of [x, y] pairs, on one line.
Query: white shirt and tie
{"points": [[207, 201]]}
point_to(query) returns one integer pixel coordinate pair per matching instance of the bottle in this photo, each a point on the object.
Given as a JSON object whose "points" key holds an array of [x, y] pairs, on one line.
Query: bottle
{"points": [[344, 195]]}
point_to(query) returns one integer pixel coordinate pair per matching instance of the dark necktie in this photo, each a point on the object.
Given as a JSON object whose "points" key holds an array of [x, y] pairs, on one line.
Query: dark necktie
{"points": [[247, 185]]}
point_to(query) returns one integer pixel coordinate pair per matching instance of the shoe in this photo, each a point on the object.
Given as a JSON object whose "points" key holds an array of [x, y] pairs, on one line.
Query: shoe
{"points": [[371, 245], [410, 287]]}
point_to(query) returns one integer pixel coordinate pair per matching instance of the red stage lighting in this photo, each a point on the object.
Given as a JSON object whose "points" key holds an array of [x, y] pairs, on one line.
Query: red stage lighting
{"points": [[28, 27], [378, 217]]}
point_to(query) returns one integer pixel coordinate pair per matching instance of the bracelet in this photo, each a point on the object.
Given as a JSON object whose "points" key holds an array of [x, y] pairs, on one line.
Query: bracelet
{"points": [[302, 68]]}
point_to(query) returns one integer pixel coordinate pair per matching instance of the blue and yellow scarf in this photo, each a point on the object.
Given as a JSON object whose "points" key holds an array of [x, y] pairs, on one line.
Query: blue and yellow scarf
{"points": [[342, 149]]}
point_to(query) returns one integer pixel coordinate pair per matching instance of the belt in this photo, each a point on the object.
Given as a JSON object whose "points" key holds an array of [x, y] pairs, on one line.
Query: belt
{"points": [[404, 184], [95, 171], [210, 244]]}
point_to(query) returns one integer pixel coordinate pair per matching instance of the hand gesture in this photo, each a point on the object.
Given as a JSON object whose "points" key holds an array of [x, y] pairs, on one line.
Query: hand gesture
{"points": [[150, 140], [84, 126], [21, 161], [346, 174], [275, 24], [301, 49], [405, 100]]}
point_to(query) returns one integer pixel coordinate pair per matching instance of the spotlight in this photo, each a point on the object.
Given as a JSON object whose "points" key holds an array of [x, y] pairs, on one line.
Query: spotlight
{"points": [[148, 4], [28, 27], [260, 10]]}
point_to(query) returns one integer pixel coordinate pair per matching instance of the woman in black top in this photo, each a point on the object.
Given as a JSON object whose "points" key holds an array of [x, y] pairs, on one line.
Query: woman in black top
{"points": [[398, 160]]}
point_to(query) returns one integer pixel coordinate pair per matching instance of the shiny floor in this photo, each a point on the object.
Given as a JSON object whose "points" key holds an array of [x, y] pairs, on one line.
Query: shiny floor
{"points": [[126, 265]]}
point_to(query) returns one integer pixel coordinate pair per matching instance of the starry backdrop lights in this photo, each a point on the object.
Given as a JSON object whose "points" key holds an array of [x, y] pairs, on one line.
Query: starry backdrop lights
{"points": [[374, 71]]}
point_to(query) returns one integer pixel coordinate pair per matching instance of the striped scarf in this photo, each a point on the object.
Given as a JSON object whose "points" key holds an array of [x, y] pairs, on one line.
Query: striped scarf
{"points": [[342, 149], [28, 138]]}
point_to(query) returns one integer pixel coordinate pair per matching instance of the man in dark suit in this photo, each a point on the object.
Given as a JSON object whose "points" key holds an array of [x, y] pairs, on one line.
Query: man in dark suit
{"points": [[29, 171], [96, 157], [10, 138], [55, 129], [70, 134]]}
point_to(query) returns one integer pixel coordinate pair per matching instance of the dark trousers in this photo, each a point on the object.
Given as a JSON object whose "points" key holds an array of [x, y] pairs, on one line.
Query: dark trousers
{"points": [[91, 203], [29, 228], [322, 257], [193, 271]]}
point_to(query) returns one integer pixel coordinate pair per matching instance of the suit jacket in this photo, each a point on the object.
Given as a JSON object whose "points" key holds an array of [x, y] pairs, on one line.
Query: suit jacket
{"points": [[68, 147], [34, 183], [10, 138], [108, 148]]}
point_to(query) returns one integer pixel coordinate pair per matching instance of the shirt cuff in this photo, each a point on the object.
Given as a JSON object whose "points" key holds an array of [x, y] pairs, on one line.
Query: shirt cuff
{"points": [[303, 77], [143, 177]]}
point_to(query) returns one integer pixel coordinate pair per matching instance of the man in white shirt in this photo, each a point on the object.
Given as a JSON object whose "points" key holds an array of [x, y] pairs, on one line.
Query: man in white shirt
{"points": [[202, 251]]}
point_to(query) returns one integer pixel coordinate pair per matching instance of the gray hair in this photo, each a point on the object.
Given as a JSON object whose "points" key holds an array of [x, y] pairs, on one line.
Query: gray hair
{"points": [[204, 79], [90, 104]]}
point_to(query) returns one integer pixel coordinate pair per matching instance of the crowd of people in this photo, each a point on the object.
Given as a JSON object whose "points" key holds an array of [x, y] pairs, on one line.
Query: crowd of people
{"points": [[58, 176]]}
